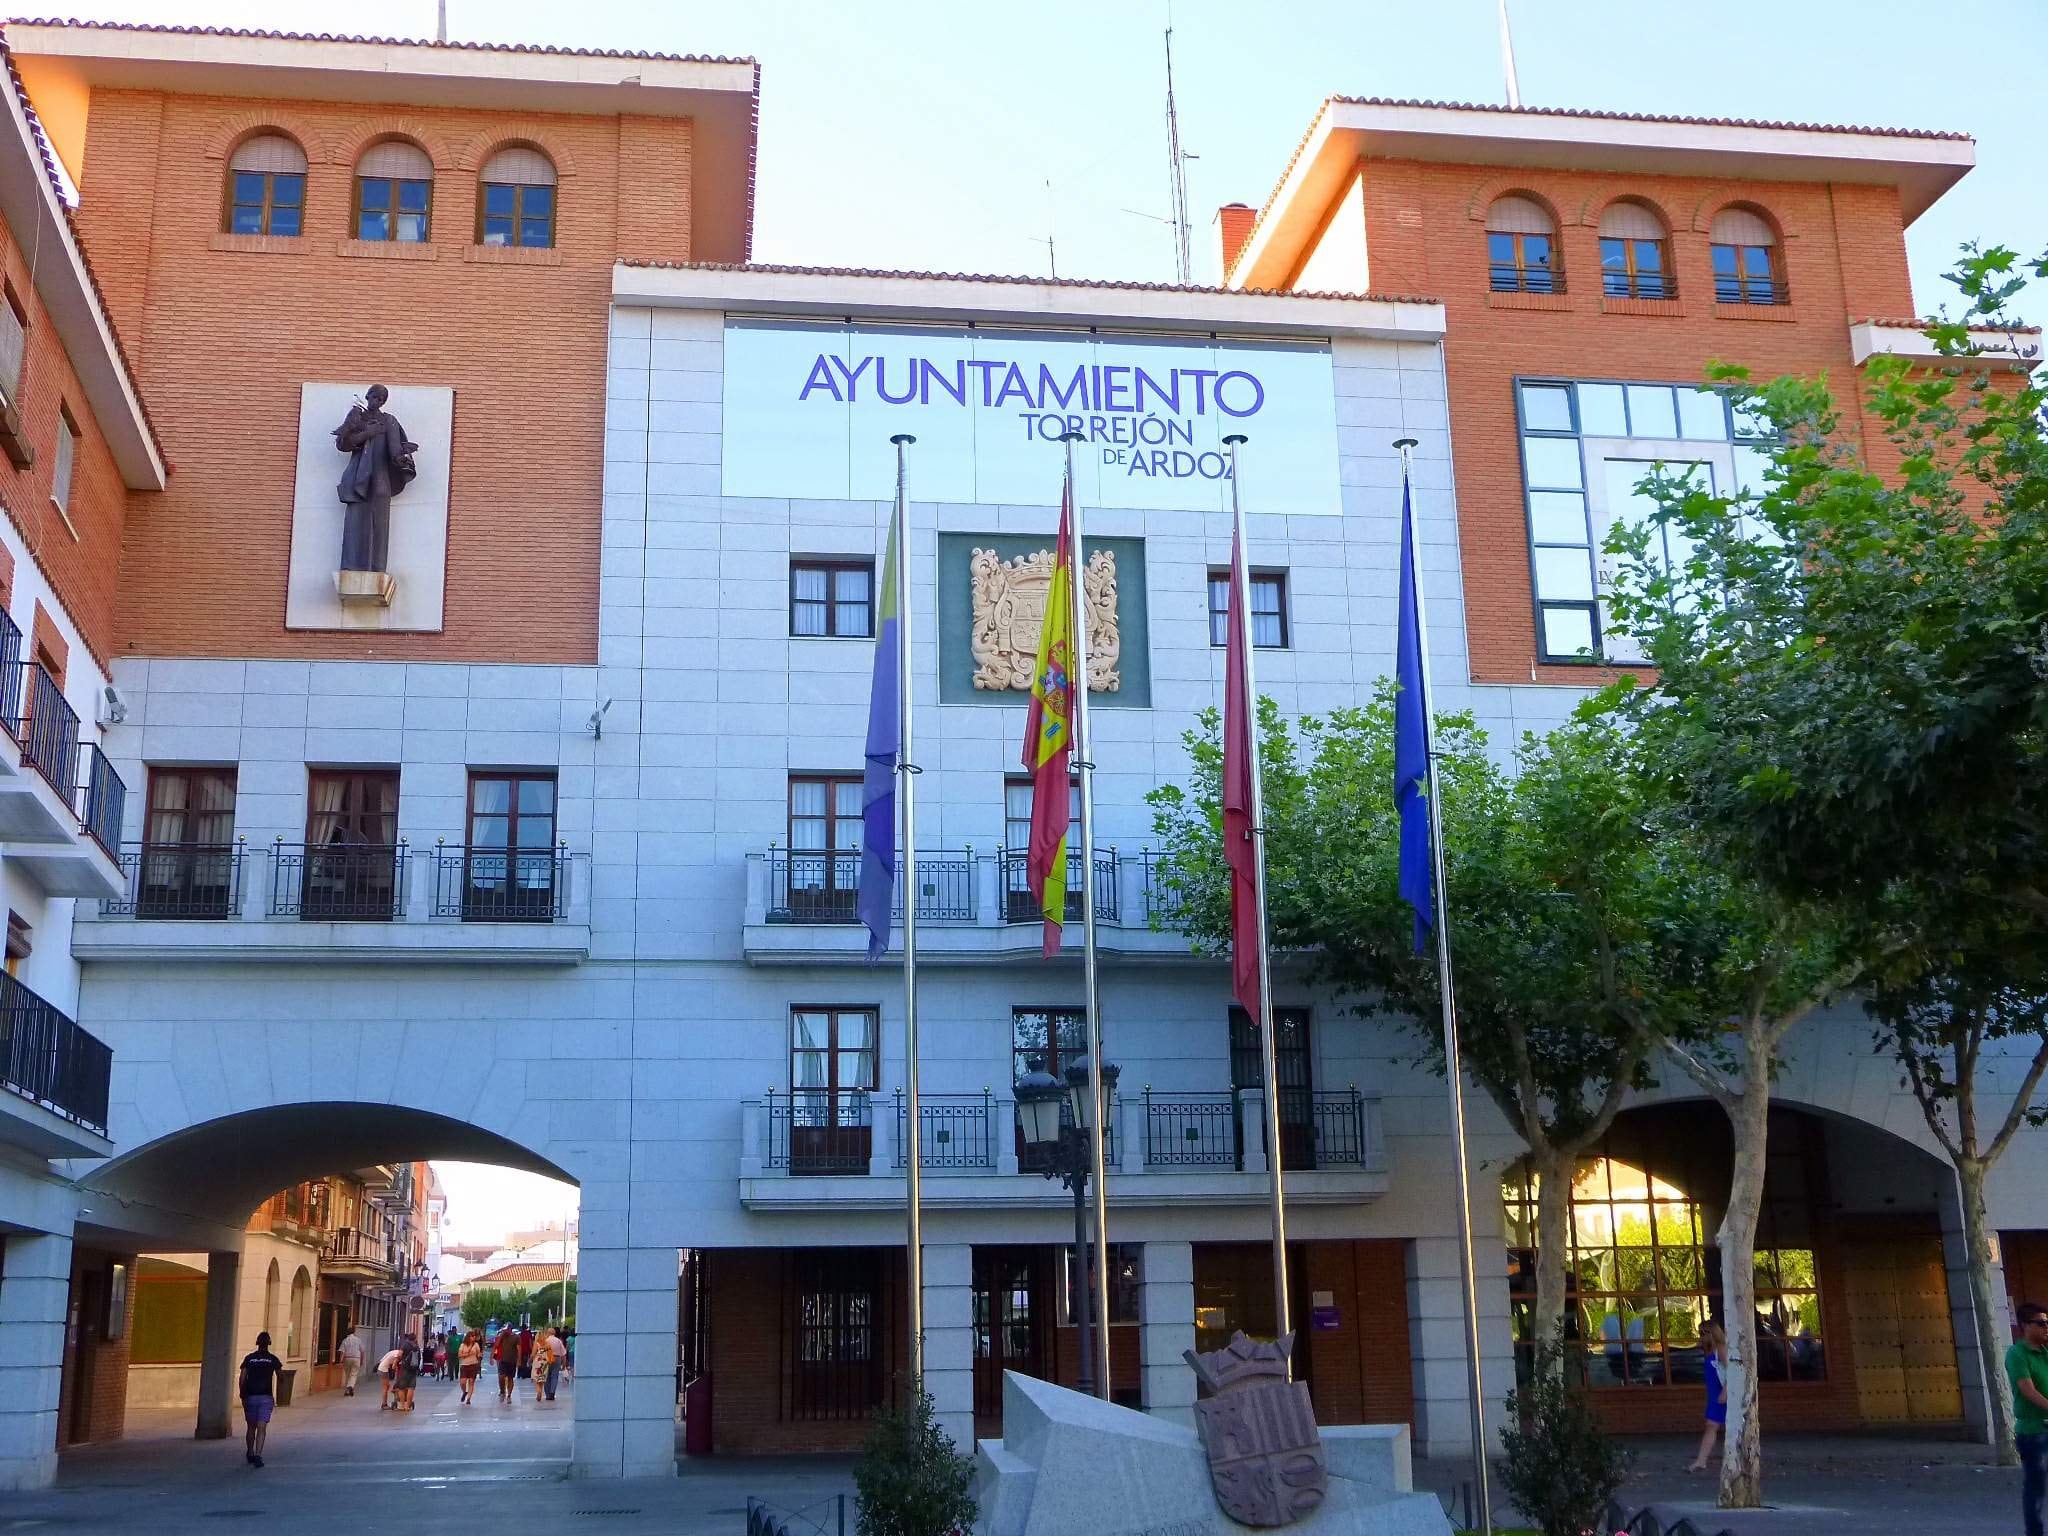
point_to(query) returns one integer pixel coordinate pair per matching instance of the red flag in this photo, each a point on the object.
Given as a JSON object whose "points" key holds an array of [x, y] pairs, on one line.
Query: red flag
{"points": [[1049, 737], [1240, 847]]}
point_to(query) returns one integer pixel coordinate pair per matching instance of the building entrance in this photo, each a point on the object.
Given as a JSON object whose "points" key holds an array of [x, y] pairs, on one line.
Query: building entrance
{"points": [[1900, 1331], [1012, 1320]]}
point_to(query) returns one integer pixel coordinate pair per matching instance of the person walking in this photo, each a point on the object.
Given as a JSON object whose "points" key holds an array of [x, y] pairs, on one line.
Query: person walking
{"points": [[257, 1384], [557, 1358], [525, 1351], [1714, 1358], [2026, 1368], [451, 1351], [538, 1366], [408, 1374], [351, 1351], [472, 1358], [506, 1353], [387, 1372]]}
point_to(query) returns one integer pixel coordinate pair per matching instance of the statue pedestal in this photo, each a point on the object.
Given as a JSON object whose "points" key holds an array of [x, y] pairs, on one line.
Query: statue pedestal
{"points": [[1070, 1463], [367, 589]]}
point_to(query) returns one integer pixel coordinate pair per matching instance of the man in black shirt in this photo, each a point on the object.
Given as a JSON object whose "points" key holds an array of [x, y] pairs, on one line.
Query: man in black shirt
{"points": [[259, 1394]]}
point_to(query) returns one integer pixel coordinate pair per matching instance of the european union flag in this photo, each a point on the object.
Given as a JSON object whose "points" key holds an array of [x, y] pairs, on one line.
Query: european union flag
{"points": [[1411, 739]]}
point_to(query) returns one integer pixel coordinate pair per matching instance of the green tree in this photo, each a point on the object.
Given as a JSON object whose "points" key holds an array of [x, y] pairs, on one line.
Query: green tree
{"points": [[1847, 711], [484, 1304], [910, 1480], [1561, 931], [1560, 1467], [547, 1302]]}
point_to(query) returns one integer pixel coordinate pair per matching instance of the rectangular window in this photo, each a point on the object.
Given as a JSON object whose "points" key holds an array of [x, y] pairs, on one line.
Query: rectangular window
{"points": [[508, 859], [1520, 263], [388, 208], [1744, 274], [833, 1069], [67, 458], [1051, 1039], [509, 214], [1126, 1276], [266, 202], [187, 863], [1021, 903], [13, 342], [838, 1333], [1633, 269], [832, 598], [352, 861], [822, 874], [1269, 608]]}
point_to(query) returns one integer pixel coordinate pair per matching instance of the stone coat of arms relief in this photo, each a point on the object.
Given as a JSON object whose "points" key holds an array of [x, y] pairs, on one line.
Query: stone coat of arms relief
{"points": [[1009, 607]]}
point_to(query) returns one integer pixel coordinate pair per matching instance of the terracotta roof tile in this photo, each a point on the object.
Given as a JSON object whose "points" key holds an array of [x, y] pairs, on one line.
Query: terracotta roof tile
{"points": [[1019, 279], [517, 1274], [1924, 322], [349, 37]]}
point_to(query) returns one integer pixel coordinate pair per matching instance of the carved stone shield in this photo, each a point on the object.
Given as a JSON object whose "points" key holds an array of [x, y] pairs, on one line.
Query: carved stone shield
{"points": [[1265, 1457], [1009, 608]]}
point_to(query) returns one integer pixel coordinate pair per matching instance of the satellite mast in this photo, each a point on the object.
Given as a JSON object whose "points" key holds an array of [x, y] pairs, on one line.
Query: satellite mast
{"points": [[1507, 57], [441, 36], [1177, 166]]}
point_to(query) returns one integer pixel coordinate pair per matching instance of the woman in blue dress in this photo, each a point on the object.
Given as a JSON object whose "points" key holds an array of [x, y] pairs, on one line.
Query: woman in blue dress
{"points": [[1714, 1356]]}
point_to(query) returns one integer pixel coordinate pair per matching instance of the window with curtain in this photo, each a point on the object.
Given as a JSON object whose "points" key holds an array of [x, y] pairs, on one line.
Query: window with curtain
{"points": [[832, 598], [1635, 255], [1744, 249], [13, 342], [394, 192], [516, 199], [1521, 247], [351, 860], [67, 462], [1269, 609], [824, 846], [266, 190], [188, 844], [509, 853], [1021, 902]]}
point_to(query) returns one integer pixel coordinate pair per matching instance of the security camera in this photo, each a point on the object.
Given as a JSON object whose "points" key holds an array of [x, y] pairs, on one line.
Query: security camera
{"points": [[112, 711], [596, 721]]}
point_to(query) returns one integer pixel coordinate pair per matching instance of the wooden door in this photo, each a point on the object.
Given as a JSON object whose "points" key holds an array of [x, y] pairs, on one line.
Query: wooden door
{"points": [[1011, 1314], [1900, 1330]]}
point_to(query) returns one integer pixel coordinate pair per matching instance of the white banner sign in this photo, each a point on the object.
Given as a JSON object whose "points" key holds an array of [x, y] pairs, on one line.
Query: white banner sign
{"points": [[810, 409]]}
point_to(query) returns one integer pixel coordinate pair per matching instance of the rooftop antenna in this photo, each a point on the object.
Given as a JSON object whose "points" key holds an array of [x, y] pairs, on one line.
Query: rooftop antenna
{"points": [[441, 22], [1177, 168], [1507, 57], [1052, 259]]}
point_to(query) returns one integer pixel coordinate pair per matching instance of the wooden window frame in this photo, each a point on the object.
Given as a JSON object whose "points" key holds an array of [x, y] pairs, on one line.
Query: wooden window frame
{"points": [[392, 213], [269, 205], [518, 893], [834, 1012], [1631, 280], [832, 570], [519, 215], [64, 462], [1525, 271], [1748, 288], [1219, 616]]}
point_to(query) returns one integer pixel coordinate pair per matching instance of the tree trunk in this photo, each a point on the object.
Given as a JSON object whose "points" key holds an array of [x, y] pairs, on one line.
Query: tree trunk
{"points": [[1553, 1203], [1742, 1457], [1984, 1302]]}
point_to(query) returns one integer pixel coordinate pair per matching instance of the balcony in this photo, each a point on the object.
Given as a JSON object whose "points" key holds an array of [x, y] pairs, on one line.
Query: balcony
{"points": [[57, 1074], [195, 901], [362, 1255], [816, 1150], [972, 908], [61, 802]]}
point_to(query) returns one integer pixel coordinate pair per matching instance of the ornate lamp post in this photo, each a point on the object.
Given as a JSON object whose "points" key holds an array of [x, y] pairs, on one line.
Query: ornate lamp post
{"points": [[1058, 1122]]}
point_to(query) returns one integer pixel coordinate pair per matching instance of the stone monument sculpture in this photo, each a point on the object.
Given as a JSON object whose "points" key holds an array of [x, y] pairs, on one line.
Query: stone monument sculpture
{"points": [[1259, 1430], [380, 466]]}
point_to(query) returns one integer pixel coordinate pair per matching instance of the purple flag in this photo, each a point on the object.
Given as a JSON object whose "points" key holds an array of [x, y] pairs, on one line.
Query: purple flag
{"points": [[877, 896]]}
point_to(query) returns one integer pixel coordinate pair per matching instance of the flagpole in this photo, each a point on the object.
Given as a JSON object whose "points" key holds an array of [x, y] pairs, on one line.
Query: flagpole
{"points": [[906, 789], [1453, 1070], [1084, 747], [1269, 1062]]}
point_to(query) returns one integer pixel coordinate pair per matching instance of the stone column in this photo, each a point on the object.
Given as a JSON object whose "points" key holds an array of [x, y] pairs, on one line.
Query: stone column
{"points": [[34, 1293], [1436, 1345], [625, 1391], [949, 1338], [1166, 1311], [217, 1358]]}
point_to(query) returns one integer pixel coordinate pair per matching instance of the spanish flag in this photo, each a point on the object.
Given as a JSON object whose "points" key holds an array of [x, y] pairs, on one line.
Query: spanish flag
{"points": [[1049, 734]]}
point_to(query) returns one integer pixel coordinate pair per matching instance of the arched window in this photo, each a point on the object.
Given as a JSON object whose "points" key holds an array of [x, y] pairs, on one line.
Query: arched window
{"points": [[266, 187], [515, 202], [1521, 247], [301, 1328], [270, 1288], [1745, 252], [394, 192], [1635, 260]]}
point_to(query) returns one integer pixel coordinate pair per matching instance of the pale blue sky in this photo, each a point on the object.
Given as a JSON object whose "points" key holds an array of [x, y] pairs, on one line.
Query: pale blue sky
{"points": [[924, 133]]}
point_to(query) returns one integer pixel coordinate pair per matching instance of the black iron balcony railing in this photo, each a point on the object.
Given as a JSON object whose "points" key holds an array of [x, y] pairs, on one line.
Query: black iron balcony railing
{"points": [[1163, 896], [1338, 1122], [106, 799], [819, 1130], [501, 885], [179, 880], [338, 882], [1191, 1130], [47, 729], [1506, 277], [824, 887], [46, 1057], [10, 667], [1021, 902], [956, 1130], [1637, 285], [1736, 288]]}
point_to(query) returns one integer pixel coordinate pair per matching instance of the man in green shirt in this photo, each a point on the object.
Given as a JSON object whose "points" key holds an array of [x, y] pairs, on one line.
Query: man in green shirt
{"points": [[2026, 1367]]}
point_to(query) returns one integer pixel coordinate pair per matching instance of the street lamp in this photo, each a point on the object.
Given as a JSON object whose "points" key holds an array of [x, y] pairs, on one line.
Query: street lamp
{"points": [[1056, 1123]]}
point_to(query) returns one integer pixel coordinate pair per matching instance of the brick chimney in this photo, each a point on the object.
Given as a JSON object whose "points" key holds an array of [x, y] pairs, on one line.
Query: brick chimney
{"points": [[1234, 224]]}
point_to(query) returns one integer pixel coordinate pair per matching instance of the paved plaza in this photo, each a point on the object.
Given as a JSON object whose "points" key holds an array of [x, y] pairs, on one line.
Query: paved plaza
{"points": [[341, 1464]]}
